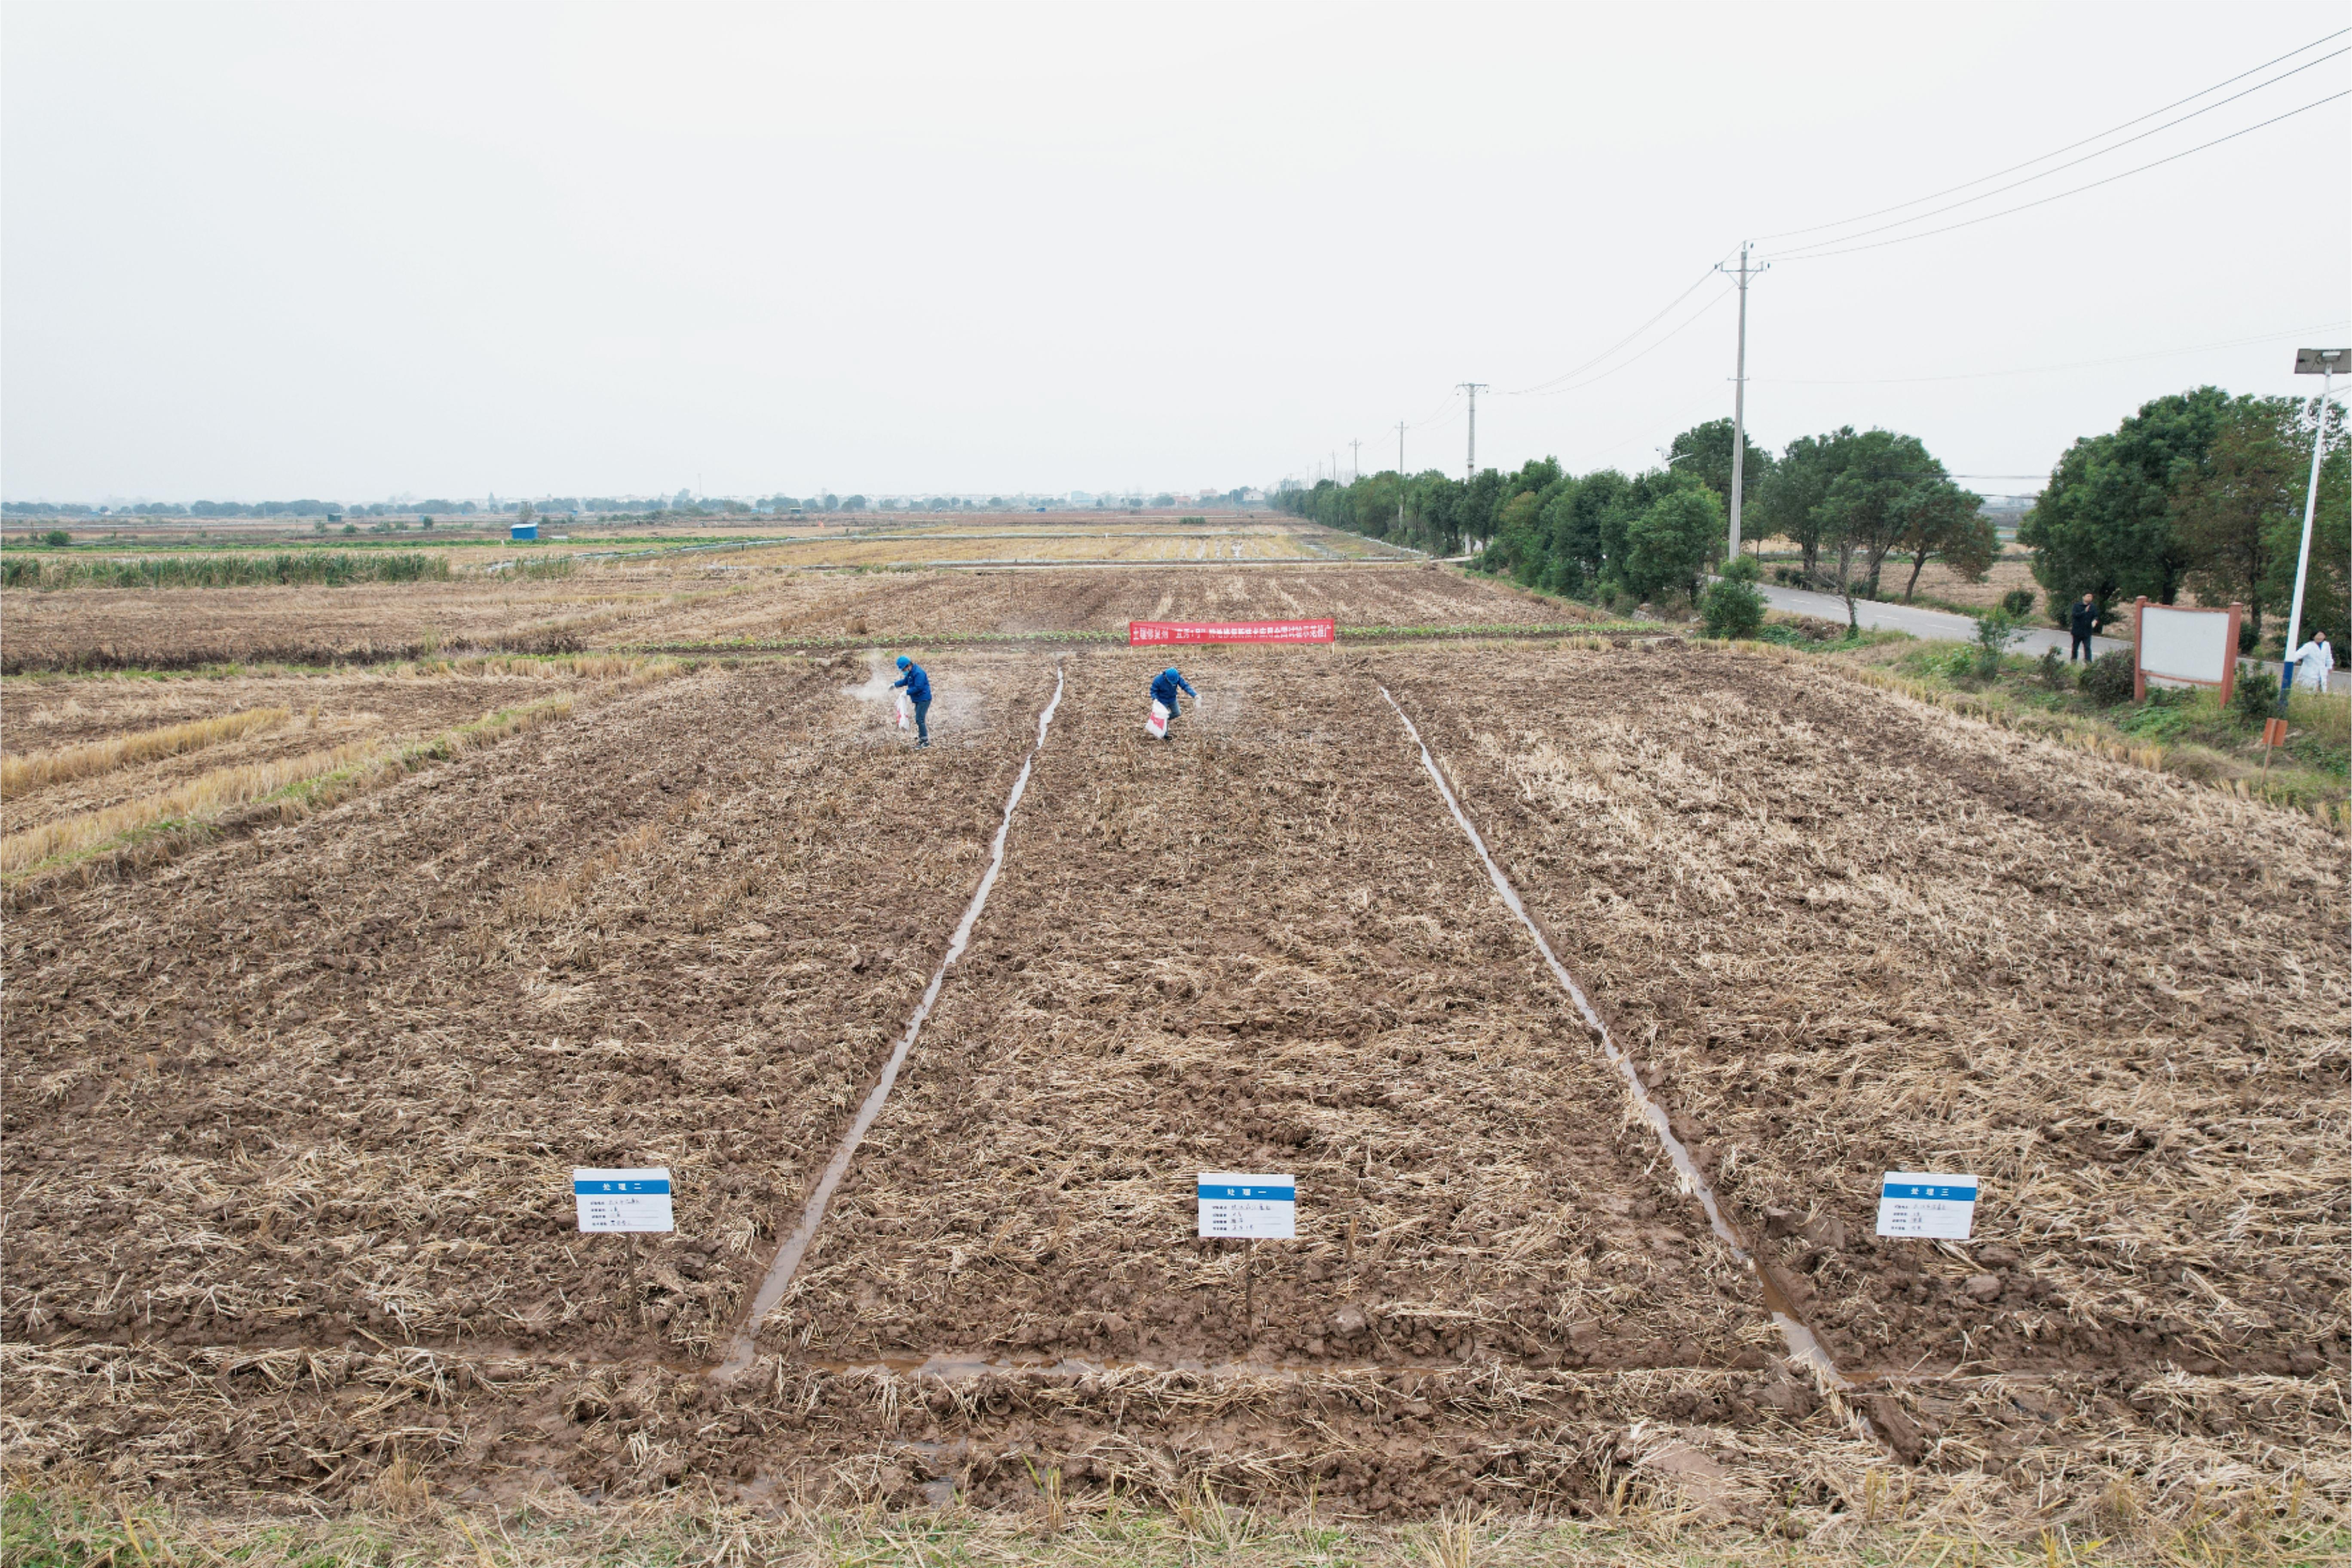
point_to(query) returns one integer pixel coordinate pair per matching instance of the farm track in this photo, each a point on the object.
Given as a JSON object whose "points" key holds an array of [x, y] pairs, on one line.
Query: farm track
{"points": [[1848, 948]]}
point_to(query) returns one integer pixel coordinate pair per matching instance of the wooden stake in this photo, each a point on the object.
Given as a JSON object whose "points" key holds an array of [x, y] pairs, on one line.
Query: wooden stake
{"points": [[1349, 1254], [1249, 1285], [637, 1293]]}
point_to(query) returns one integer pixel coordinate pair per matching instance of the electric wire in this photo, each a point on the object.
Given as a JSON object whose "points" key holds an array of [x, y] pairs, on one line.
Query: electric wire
{"points": [[1688, 321], [1843, 249], [2074, 163], [2099, 136], [1579, 370], [2043, 369]]}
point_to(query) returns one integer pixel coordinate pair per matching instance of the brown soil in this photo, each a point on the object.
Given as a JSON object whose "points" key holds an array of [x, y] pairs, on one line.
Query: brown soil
{"points": [[1855, 936], [291, 1118], [327, 1082], [1259, 946]]}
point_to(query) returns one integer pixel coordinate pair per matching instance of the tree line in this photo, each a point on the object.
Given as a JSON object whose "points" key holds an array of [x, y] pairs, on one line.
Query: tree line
{"points": [[1852, 502], [2203, 493]]}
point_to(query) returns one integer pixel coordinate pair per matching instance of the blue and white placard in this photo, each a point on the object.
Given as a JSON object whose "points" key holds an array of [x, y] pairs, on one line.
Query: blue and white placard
{"points": [[623, 1200], [1248, 1206], [1921, 1203]]}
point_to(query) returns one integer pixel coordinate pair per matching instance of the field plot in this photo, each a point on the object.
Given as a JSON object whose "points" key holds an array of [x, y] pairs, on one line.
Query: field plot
{"points": [[82, 745], [181, 629], [912, 603], [681, 598], [1852, 934], [1011, 544], [324, 1086], [290, 1116], [1260, 947]]}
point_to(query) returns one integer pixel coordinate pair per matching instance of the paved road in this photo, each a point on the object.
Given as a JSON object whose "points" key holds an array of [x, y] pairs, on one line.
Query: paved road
{"points": [[1943, 626]]}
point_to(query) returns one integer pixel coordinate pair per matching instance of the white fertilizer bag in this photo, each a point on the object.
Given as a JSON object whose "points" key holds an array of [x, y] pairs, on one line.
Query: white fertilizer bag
{"points": [[906, 711], [1158, 722]]}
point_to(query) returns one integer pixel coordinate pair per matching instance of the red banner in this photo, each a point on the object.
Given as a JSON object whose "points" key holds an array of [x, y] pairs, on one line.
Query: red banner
{"points": [[1143, 634]]}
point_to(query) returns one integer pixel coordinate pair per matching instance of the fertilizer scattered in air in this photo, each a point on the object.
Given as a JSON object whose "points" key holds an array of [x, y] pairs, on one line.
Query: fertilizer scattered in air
{"points": [[788, 1256], [1802, 1346]]}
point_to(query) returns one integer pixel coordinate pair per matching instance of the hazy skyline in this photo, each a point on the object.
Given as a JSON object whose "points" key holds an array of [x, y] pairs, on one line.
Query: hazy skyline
{"points": [[352, 251]]}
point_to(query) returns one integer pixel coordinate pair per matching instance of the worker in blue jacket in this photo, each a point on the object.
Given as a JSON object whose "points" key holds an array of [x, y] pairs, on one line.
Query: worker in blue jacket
{"points": [[919, 691], [1164, 687]]}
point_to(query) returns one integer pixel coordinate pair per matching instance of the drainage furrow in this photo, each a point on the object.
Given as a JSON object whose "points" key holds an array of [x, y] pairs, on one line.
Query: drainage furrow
{"points": [[788, 1256], [1803, 1345]]}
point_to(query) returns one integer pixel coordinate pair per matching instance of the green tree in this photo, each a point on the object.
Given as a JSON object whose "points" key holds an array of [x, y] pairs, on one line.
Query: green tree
{"points": [[1788, 502], [1885, 481], [2235, 512], [1942, 522], [1705, 452], [2105, 523], [1670, 543]]}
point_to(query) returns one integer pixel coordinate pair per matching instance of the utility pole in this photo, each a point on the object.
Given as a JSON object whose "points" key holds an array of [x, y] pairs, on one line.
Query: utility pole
{"points": [[1739, 397], [2326, 361], [1355, 460], [1473, 388], [1399, 477]]}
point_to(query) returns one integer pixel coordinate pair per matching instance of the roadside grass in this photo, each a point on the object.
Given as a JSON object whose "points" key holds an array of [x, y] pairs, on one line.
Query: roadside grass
{"points": [[2187, 732], [42, 1526], [35, 769]]}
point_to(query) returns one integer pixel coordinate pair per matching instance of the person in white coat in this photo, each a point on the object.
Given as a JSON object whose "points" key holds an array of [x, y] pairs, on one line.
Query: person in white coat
{"points": [[2312, 660]]}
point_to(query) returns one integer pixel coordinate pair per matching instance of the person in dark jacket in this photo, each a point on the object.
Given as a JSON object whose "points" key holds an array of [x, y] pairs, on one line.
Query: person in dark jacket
{"points": [[1164, 687], [919, 691], [2082, 620]]}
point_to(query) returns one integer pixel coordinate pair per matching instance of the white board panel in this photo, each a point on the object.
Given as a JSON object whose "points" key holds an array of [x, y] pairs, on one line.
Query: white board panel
{"points": [[2185, 645]]}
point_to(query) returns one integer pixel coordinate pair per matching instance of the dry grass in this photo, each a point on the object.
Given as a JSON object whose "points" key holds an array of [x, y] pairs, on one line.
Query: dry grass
{"points": [[20, 774], [200, 799], [2328, 716], [48, 1527], [304, 783]]}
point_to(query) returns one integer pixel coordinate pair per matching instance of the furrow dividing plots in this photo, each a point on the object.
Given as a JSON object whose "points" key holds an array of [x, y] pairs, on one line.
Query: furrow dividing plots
{"points": [[795, 1247], [1803, 1345]]}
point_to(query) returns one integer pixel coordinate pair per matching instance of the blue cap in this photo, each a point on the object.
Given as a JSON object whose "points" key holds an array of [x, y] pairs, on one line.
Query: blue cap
{"points": [[904, 661]]}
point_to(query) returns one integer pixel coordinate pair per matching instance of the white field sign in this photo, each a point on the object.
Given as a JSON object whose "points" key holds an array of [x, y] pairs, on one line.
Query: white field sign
{"points": [[623, 1200], [2198, 647], [1252, 1207]]}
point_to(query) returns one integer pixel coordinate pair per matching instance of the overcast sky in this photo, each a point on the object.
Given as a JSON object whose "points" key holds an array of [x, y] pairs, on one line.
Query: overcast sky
{"points": [[349, 251]]}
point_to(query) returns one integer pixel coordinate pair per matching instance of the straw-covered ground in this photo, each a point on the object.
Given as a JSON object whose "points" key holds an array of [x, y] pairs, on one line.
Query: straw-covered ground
{"points": [[1257, 948], [1850, 933], [323, 1084], [291, 1115], [691, 599], [79, 745]]}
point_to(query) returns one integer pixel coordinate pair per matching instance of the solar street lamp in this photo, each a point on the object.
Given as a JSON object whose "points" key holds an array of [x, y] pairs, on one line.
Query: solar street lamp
{"points": [[2323, 363]]}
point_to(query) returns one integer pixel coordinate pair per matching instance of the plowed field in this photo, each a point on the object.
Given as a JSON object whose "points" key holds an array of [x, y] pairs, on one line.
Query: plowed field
{"points": [[291, 1114], [1258, 948]]}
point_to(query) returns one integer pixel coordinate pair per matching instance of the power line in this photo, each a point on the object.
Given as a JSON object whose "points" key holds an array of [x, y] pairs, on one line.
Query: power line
{"points": [[1843, 249], [1691, 321], [2044, 369], [1567, 375], [2014, 185], [2099, 136]]}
